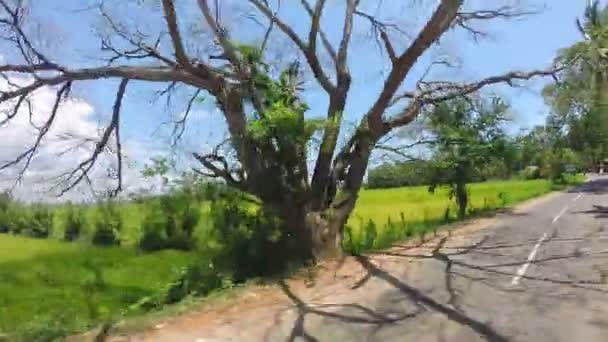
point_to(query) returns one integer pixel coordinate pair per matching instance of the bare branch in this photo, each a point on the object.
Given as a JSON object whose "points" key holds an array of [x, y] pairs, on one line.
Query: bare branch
{"points": [[83, 168], [439, 22], [22, 41], [220, 35], [449, 91], [143, 73], [314, 25], [211, 161], [444, 91], [326, 43], [464, 19], [351, 7], [151, 51], [311, 58], [380, 28], [176, 39], [118, 142], [180, 125], [29, 154]]}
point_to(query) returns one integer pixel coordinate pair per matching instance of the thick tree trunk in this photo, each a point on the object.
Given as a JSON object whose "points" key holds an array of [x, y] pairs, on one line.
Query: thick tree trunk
{"points": [[462, 199], [310, 235]]}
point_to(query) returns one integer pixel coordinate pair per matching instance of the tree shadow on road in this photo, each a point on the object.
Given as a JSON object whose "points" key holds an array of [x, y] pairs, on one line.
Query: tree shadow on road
{"points": [[360, 314], [458, 262], [599, 211], [418, 296], [597, 187]]}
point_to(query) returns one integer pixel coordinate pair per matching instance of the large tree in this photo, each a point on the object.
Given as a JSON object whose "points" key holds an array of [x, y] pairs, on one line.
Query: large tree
{"points": [[580, 99], [263, 112], [469, 135]]}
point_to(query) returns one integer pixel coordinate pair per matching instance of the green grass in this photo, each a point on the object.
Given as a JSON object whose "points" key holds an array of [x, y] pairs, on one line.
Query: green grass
{"points": [[418, 204], [377, 219], [48, 284], [43, 282]]}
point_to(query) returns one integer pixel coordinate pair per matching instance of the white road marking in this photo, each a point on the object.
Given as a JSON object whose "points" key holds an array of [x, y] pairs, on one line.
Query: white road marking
{"points": [[577, 197], [560, 214], [522, 270]]}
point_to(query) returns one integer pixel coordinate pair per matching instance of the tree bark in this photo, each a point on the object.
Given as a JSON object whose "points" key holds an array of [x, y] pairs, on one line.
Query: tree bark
{"points": [[462, 199], [310, 236]]}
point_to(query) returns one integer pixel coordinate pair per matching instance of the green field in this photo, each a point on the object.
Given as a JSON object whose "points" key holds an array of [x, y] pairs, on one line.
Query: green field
{"points": [[73, 286], [51, 283], [417, 204]]}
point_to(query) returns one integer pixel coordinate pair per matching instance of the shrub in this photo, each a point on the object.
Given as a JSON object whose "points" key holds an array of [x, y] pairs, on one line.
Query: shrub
{"points": [[170, 223], [45, 329], [152, 238], [39, 223], [530, 172], [356, 244], [5, 202], [73, 224], [107, 226], [198, 279]]}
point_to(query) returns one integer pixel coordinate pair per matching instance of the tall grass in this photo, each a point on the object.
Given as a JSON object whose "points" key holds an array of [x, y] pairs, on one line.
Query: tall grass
{"points": [[49, 287], [45, 283], [384, 216]]}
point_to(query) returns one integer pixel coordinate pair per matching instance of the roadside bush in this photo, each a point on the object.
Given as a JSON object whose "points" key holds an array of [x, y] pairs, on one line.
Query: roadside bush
{"points": [[198, 279], [107, 226], [170, 223], [44, 329], [248, 239], [241, 241], [18, 220], [41, 221], [73, 224], [357, 243], [5, 202], [153, 238], [530, 172]]}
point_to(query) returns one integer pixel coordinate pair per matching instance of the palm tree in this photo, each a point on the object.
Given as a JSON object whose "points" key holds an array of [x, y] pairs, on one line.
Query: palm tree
{"points": [[582, 97]]}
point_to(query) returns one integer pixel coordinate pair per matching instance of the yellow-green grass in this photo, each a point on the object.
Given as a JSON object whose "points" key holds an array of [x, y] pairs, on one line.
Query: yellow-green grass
{"points": [[424, 211], [72, 286], [418, 204], [51, 285]]}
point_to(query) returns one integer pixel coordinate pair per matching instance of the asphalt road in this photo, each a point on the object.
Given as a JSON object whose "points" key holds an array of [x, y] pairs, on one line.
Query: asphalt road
{"points": [[535, 274]]}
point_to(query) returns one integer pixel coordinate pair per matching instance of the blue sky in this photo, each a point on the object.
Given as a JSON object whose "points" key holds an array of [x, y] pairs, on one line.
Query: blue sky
{"points": [[515, 44], [521, 44]]}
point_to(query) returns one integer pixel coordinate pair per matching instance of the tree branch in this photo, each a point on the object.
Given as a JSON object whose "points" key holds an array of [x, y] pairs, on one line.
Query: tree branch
{"points": [[220, 35], [176, 39], [21, 39], [180, 125], [29, 154], [380, 28], [463, 19], [444, 91], [326, 43], [351, 7], [84, 167], [223, 171], [151, 51], [142, 73], [311, 58], [440, 22]]}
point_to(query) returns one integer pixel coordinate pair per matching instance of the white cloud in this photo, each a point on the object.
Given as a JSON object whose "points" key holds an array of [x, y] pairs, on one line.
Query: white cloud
{"points": [[69, 141]]}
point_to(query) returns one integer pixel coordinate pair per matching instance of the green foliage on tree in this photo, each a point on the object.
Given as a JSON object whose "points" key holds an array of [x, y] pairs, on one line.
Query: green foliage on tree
{"points": [[468, 134], [580, 99], [391, 175]]}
